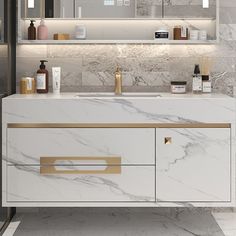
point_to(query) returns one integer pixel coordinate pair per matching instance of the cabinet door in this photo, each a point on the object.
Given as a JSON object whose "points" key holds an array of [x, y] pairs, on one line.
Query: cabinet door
{"points": [[104, 9], [189, 9], [63, 8], [193, 164], [32, 9], [149, 9]]}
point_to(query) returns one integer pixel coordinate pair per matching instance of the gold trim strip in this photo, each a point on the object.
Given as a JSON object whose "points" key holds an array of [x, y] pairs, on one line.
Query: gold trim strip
{"points": [[47, 165], [117, 125]]}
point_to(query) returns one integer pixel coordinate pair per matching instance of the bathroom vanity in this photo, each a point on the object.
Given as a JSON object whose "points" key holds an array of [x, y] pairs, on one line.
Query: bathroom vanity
{"points": [[153, 150]]}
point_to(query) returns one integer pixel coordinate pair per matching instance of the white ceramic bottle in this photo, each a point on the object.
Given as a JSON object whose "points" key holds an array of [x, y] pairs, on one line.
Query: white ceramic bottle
{"points": [[42, 31]]}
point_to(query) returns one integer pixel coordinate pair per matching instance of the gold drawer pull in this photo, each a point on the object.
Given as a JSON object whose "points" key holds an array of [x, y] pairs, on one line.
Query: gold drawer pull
{"points": [[48, 165]]}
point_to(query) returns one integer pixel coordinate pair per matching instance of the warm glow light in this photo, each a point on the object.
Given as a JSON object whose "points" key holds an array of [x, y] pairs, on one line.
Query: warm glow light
{"points": [[205, 3], [30, 3]]}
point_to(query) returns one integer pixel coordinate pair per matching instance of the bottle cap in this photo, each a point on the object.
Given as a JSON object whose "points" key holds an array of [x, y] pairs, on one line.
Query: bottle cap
{"points": [[42, 22], [42, 66], [205, 77], [32, 22], [197, 70]]}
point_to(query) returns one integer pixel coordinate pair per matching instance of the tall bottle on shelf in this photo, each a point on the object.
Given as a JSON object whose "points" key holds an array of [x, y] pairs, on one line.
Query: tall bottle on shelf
{"points": [[197, 80], [32, 31], [42, 32], [42, 80]]}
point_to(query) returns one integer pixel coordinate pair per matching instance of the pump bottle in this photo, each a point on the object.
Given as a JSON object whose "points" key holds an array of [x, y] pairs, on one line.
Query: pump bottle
{"points": [[42, 78], [32, 31], [42, 32]]}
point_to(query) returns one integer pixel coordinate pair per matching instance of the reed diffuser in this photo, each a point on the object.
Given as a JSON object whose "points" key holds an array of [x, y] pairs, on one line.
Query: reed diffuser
{"points": [[206, 65]]}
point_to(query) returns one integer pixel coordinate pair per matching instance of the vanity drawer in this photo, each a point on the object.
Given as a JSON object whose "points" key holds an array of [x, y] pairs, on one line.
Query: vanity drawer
{"points": [[68, 183], [135, 146]]}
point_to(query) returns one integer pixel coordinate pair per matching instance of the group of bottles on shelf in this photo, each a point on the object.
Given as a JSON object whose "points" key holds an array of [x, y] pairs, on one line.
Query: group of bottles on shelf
{"points": [[181, 33], [201, 82], [41, 33], [40, 84]]}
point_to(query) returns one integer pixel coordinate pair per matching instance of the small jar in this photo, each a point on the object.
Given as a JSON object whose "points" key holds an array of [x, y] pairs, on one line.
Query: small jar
{"points": [[178, 87], [203, 35], [161, 34], [27, 85], [80, 32], [206, 84], [194, 35]]}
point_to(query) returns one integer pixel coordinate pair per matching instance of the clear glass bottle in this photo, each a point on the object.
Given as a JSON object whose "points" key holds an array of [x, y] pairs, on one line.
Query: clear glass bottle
{"points": [[197, 80]]}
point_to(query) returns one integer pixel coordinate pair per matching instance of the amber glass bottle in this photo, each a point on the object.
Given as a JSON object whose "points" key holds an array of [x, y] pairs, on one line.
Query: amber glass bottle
{"points": [[32, 31], [42, 78]]}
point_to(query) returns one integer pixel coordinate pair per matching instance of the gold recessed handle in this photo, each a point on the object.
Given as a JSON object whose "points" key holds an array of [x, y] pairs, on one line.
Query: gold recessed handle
{"points": [[110, 165], [168, 140]]}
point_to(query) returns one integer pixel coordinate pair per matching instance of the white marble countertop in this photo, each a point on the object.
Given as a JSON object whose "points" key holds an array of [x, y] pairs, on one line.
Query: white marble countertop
{"points": [[137, 96], [69, 108]]}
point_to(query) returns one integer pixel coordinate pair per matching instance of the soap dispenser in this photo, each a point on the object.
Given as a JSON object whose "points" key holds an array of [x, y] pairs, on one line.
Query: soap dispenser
{"points": [[42, 31], [42, 78], [32, 31]]}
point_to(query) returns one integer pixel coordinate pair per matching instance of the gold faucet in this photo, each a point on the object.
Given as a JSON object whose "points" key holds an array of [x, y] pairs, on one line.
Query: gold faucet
{"points": [[118, 82]]}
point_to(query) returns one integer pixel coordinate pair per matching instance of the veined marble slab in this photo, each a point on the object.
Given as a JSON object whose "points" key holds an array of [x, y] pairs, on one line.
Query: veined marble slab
{"points": [[168, 108]]}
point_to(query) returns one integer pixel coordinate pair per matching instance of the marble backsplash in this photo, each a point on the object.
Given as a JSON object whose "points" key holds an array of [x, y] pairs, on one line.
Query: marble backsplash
{"points": [[144, 67]]}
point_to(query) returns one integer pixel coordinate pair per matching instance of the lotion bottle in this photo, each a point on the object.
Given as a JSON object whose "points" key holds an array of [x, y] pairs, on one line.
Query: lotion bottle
{"points": [[42, 31], [42, 78], [56, 79]]}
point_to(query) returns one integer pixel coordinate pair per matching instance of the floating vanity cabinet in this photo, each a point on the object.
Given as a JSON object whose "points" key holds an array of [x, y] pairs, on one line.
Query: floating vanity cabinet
{"points": [[190, 9], [81, 165], [71, 150], [193, 165]]}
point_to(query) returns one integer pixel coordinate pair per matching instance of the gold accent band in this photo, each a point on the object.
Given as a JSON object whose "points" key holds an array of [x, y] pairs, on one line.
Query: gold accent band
{"points": [[48, 164], [118, 125]]}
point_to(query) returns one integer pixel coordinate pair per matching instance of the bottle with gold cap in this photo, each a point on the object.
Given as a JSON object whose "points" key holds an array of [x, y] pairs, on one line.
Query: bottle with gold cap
{"points": [[118, 81]]}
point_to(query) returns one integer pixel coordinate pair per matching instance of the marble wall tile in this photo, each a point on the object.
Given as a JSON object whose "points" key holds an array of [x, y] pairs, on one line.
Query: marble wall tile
{"points": [[31, 51], [78, 51]]}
